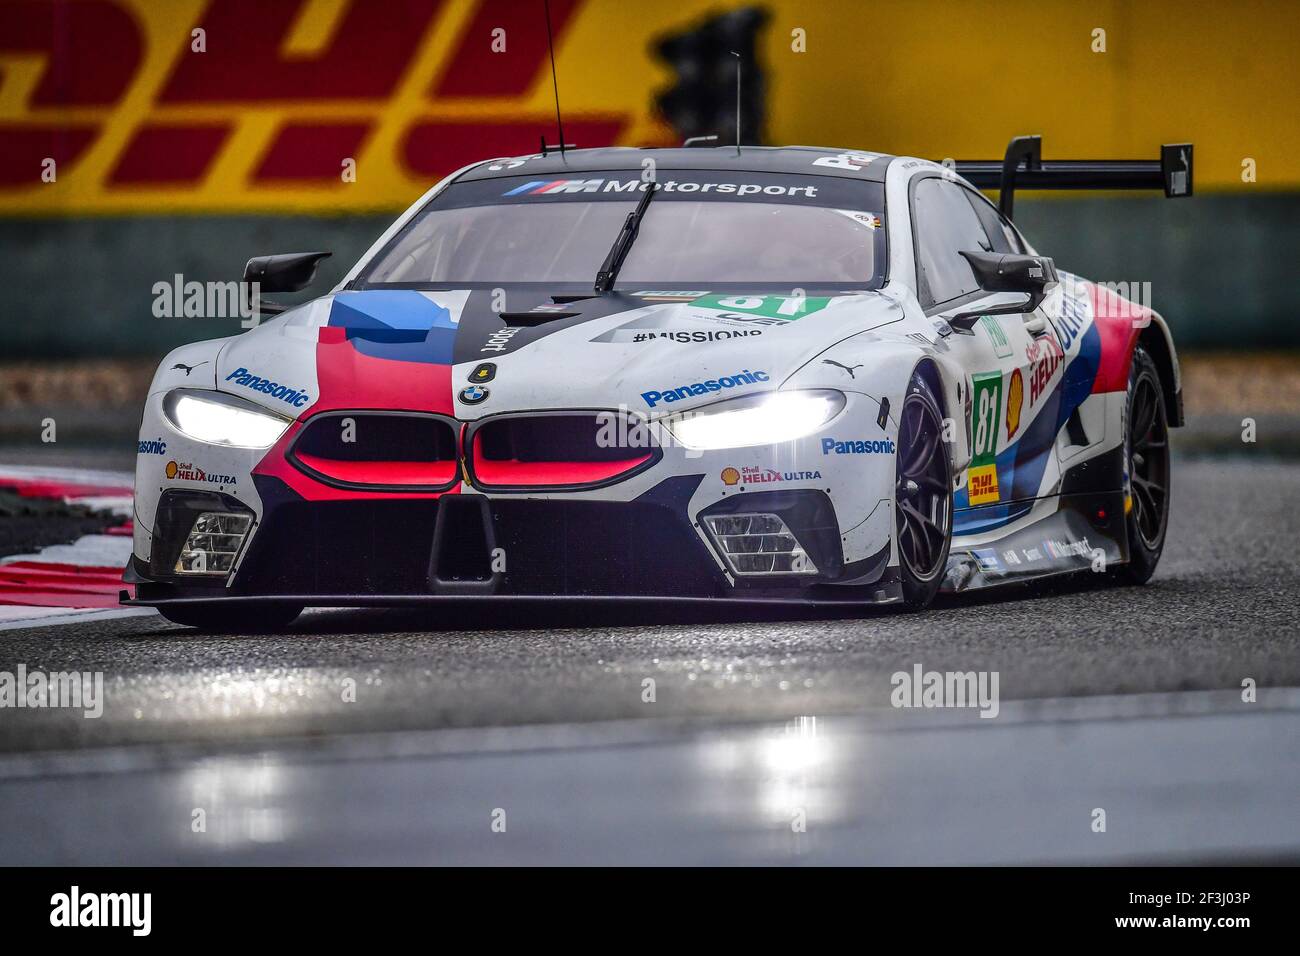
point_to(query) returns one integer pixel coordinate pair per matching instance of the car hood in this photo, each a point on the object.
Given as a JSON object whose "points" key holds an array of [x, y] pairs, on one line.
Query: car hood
{"points": [[416, 349]]}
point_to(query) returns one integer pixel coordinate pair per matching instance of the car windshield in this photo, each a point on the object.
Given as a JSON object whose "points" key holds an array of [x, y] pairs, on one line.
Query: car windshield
{"points": [[717, 228]]}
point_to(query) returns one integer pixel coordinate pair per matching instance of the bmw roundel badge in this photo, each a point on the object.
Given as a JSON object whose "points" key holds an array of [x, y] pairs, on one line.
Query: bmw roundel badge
{"points": [[473, 394]]}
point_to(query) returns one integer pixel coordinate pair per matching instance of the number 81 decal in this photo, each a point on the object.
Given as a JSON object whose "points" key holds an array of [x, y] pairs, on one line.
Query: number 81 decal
{"points": [[785, 307], [986, 415]]}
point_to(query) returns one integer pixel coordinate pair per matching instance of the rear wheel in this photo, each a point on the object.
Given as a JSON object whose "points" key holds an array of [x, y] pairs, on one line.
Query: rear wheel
{"points": [[1146, 449], [248, 619], [922, 496]]}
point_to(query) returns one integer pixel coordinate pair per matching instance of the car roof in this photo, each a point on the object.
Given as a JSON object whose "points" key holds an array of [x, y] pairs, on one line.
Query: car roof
{"points": [[767, 159]]}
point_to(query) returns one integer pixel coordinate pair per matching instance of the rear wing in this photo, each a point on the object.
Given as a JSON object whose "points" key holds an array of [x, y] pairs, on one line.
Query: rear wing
{"points": [[1023, 167]]}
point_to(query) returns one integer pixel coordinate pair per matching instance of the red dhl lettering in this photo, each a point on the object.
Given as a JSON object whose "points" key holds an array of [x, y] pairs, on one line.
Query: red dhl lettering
{"points": [[265, 118]]}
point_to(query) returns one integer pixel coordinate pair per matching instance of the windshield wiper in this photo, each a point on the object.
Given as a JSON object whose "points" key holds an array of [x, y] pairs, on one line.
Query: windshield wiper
{"points": [[623, 243]]}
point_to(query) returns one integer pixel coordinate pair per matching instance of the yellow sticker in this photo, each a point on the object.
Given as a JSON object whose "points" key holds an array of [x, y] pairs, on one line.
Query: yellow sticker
{"points": [[982, 484], [1015, 398]]}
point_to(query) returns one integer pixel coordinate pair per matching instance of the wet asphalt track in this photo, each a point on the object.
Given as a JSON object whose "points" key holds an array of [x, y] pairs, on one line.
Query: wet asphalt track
{"points": [[189, 713]]}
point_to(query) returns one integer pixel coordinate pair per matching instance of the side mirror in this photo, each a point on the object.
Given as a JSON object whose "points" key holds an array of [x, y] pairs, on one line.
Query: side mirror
{"points": [[286, 273], [1005, 272]]}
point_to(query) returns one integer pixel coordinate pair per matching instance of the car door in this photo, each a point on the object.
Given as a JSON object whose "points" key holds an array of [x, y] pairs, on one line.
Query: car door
{"points": [[998, 352], [1036, 416]]}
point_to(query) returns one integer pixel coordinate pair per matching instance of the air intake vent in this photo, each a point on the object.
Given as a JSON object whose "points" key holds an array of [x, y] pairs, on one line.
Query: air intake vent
{"points": [[560, 450], [383, 451]]}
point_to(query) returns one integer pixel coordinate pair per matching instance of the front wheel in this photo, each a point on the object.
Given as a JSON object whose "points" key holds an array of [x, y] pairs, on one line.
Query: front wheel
{"points": [[922, 496]]}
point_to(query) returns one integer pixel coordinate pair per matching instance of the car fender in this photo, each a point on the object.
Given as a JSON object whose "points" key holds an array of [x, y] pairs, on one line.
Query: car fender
{"points": [[163, 452], [189, 366], [882, 367]]}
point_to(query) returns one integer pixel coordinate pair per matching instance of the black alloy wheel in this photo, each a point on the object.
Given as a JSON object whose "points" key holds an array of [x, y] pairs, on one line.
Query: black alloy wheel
{"points": [[923, 495]]}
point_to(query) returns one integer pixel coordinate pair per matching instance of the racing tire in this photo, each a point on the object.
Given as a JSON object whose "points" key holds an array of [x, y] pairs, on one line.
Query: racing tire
{"points": [[1146, 457], [247, 619], [922, 495]]}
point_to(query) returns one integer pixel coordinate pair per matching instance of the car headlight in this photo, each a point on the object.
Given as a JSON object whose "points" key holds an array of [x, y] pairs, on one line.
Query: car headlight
{"points": [[757, 420], [220, 419]]}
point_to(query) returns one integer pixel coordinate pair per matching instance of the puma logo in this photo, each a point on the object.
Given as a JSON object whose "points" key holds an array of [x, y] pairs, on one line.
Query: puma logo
{"points": [[187, 368], [841, 365]]}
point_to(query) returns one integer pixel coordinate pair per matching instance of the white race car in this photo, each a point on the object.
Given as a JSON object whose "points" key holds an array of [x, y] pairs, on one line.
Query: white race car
{"points": [[748, 374]]}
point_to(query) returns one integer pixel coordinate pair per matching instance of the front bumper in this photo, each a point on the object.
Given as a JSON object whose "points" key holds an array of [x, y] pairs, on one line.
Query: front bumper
{"points": [[377, 551]]}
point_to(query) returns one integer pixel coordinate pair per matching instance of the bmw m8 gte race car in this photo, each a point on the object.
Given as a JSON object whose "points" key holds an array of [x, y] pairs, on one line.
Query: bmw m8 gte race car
{"points": [[745, 374]]}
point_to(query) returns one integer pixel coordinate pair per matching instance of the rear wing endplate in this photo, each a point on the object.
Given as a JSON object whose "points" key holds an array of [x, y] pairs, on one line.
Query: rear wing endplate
{"points": [[1023, 167]]}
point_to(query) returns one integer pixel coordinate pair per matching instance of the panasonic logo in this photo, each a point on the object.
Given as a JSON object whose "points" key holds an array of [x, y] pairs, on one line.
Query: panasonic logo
{"points": [[243, 377], [696, 389], [832, 447]]}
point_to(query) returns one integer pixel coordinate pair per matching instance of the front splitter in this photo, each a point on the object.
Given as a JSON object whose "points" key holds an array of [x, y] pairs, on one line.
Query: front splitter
{"points": [[885, 593]]}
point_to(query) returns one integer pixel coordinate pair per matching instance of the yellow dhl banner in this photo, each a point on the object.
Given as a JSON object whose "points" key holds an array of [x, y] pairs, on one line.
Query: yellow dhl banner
{"points": [[347, 105]]}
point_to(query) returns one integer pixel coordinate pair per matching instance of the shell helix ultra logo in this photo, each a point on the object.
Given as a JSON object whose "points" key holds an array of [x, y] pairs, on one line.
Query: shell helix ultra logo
{"points": [[188, 471]]}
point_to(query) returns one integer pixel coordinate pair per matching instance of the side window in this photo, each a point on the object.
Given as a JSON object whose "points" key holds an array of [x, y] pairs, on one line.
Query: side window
{"points": [[1002, 237], [945, 225]]}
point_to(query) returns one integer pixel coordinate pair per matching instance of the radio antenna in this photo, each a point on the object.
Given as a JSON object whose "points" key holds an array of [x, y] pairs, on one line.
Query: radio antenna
{"points": [[739, 62], [555, 84]]}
